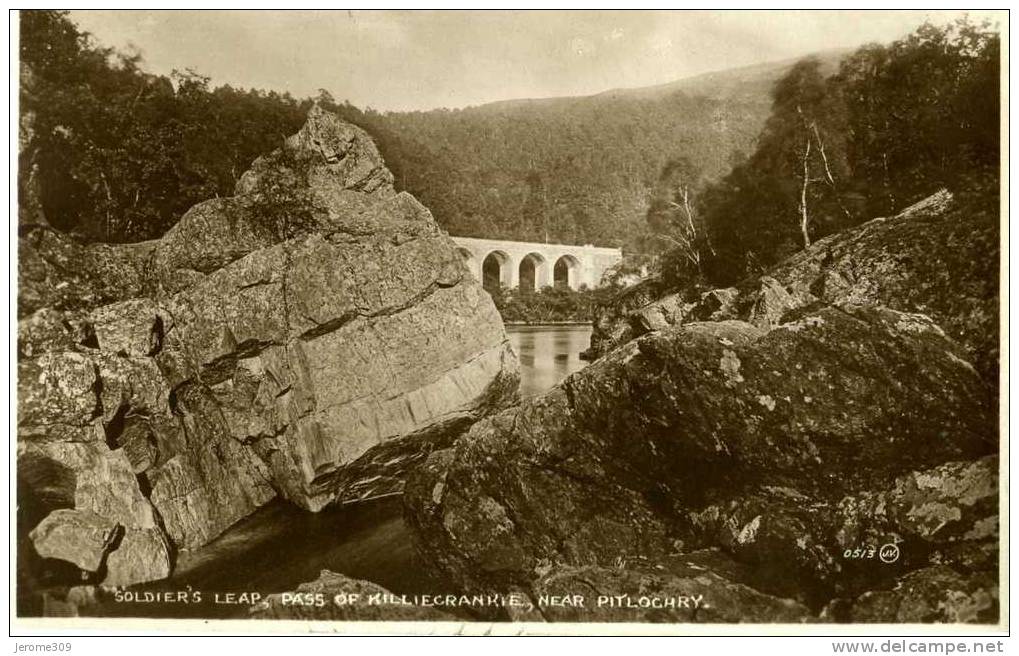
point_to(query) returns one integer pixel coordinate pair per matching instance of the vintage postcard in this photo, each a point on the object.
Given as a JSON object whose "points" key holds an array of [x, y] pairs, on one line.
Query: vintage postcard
{"points": [[539, 321]]}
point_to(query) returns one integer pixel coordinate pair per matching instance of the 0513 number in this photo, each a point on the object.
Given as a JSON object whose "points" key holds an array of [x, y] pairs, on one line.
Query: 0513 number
{"points": [[860, 553], [886, 553]]}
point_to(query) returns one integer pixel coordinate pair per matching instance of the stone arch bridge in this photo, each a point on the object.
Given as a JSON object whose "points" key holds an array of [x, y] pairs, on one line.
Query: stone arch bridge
{"points": [[521, 264]]}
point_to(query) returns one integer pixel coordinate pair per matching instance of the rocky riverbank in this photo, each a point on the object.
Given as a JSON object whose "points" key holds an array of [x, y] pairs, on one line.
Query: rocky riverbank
{"points": [[796, 450], [818, 444], [168, 389], [939, 257]]}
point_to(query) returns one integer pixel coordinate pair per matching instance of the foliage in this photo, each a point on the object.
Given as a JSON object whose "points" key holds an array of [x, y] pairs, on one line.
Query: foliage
{"points": [[894, 124], [550, 304], [675, 220], [923, 111], [122, 153], [566, 170], [787, 192]]}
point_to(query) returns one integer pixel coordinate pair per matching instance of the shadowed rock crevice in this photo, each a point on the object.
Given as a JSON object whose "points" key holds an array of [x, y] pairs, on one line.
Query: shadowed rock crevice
{"points": [[157, 335], [89, 340], [114, 428]]}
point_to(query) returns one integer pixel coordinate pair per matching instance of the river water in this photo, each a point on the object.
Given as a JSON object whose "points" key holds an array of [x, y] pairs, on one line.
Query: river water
{"points": [[279, 547], [547, 354]]}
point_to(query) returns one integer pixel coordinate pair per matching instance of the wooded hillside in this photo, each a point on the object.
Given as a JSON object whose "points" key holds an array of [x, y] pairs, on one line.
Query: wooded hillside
{"points": [[729, 171], [120, 153], [894, 124]]}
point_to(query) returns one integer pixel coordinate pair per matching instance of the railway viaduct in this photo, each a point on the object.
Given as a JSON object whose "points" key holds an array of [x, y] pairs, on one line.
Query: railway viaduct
{"points": [[519, 264]]}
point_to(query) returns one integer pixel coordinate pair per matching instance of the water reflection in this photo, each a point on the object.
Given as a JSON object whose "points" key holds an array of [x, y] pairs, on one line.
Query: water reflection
{"points": [[547, 354]]}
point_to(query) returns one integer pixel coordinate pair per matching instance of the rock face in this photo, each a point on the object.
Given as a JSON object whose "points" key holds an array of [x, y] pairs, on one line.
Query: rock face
{"points": [[316, 601], [939, 258], [933, 594], [796, 449], [612, 325], [170, 388], [79, 537]]}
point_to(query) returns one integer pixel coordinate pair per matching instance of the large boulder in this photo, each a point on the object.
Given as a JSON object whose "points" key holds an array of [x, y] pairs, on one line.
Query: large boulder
{"points": [[938, 257], [761, 442], [56, 272], [613, 324], [77, 536], [74, 476], [933, 594], [813, 548], [314, 347]]}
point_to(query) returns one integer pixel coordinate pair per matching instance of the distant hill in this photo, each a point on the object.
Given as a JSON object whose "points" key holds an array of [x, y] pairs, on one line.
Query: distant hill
{"points": [[573, 169], [120, 154], [746, 83]]}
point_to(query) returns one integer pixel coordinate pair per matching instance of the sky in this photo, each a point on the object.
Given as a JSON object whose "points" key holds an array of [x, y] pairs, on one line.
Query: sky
{"points": [[407, 60]]}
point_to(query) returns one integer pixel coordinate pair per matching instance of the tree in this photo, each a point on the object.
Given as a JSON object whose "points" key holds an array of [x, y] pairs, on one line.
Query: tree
{"points": [[894, 124], [923, 111], [788, 191], [798, 141], [673, 216]]}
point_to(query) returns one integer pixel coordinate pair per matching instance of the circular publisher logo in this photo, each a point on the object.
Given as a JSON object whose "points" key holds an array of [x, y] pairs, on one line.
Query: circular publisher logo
{"points": [[889, 553]]}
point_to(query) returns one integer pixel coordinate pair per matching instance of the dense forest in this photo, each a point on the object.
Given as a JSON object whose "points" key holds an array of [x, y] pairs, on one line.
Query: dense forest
{"points": [[892, 125], [120, 154], [550, 304], [566, 170], [697, 168]]}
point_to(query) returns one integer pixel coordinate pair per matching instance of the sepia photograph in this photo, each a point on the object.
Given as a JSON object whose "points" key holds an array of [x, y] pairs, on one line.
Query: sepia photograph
{"points": [[517, 321]]}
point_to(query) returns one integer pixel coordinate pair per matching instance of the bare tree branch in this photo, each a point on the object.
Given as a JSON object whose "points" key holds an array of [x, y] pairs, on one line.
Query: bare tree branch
{"points": [[827, 169], [804, 217]]}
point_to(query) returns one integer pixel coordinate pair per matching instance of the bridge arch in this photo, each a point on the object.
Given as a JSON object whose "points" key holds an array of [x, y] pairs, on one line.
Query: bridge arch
{"points": [[532, 272], [565, 272], [496, 271], [501, 262]]}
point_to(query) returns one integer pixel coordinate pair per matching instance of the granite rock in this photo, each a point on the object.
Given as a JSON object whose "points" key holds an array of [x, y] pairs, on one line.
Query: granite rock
{"points": [[173, 387]]}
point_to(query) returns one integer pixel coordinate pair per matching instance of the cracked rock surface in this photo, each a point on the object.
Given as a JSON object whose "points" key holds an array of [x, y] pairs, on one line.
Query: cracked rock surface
{"points": [[774, 445], [168, 389], [938, 257]]}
